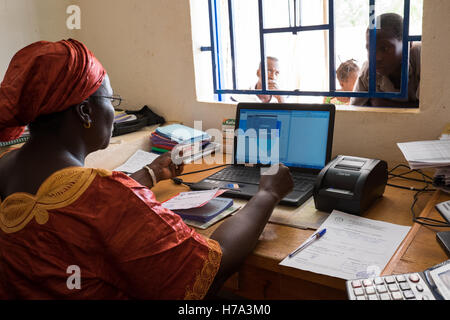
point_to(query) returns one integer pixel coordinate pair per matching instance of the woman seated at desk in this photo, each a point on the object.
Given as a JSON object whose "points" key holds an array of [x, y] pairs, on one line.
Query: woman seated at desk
{"points": [[57, 217]]}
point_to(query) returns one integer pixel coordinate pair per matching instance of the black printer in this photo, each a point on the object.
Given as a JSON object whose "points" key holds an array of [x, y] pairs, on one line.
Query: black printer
{"points": [[350, 184]]}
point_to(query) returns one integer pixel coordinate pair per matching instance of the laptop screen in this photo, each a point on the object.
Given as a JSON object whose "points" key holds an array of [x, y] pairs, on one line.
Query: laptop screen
{"points": [[296, 138]]}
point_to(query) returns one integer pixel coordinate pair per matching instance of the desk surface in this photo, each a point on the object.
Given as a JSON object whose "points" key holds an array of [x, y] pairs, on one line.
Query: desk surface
{"points": [[261, 277]]}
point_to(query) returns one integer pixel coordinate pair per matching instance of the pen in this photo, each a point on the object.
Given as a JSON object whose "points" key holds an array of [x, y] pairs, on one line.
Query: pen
{"points": [[308, 242]]}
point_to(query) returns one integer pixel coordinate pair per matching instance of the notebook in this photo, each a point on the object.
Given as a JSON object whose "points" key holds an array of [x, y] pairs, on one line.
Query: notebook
{"points": [[298, 135]]}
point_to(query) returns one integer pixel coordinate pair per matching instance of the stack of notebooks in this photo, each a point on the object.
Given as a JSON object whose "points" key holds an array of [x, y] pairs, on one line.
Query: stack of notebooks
{"points": [[193, 143]]}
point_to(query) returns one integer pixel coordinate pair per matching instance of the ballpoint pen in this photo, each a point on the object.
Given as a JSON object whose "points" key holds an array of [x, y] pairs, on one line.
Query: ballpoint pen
{"points": [[308, 242]]}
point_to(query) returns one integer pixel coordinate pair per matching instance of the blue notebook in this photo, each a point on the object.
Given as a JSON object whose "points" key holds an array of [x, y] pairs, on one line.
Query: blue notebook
{"points": [[208, 211], [182, 134]]}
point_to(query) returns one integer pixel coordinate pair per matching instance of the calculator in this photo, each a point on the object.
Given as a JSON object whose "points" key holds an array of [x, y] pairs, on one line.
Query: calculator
{"points": [[431, 284]]}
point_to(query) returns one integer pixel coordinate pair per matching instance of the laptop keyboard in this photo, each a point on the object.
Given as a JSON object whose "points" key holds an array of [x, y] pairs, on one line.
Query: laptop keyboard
{"points": [[302, 182]]}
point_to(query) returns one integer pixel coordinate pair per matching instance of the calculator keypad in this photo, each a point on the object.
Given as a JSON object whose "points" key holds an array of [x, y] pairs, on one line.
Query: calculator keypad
{"points": [[392, 287]]}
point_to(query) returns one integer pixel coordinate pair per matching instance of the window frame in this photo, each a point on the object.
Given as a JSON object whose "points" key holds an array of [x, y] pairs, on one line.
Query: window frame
{"points": [[214, 22]]}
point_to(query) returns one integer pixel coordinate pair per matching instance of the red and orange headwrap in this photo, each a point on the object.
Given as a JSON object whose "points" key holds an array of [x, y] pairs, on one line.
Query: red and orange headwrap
{"points": [[43, 78]]}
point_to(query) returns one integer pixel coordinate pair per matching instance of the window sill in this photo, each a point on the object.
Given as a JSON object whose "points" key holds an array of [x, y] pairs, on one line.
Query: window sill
{"points": [[339, 108], [377, 109]]}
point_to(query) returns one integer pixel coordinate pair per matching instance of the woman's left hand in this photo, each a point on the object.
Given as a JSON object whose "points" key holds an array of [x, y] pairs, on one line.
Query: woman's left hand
{"points": [[164, 168]]}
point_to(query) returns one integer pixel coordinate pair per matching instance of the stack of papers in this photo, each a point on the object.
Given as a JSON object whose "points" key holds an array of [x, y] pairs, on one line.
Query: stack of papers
{"points": [[430, 154], [352, 247], [426, 154]]}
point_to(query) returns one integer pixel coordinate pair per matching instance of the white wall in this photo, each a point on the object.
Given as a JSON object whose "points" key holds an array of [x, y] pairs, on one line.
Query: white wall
{"points": [[23, 22], [146, 46]]}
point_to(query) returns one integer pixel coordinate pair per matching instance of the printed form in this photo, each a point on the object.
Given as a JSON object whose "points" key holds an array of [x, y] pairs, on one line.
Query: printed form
{"points": [[353, 247]]}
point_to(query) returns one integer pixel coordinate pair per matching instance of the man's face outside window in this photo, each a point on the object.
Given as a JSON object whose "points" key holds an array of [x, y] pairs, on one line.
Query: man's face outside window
{"points": [[388, 53]]}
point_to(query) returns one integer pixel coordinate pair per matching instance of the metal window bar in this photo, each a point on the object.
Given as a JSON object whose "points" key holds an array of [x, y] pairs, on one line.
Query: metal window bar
{"points": [[405, 62], [372, 48], [213, 46], [232, 43], [331, 53], [262, 46], [371, 93]]}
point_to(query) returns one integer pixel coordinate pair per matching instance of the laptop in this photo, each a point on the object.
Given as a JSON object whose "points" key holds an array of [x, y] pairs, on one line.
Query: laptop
{"points": [[298, 135]]}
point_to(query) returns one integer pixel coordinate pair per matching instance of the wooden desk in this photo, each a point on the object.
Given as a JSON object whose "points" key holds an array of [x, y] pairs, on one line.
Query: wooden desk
{"points": [[420, 250], [261, 277]]}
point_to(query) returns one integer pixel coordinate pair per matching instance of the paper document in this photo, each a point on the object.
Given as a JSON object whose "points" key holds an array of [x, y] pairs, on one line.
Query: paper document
{"points": [[353, 247], [138, 160], [423, 154], [191, 199]]}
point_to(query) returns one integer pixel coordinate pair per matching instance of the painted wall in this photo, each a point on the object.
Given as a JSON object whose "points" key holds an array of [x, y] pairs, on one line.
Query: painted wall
{"points": [[25, 21], [146, 46]]}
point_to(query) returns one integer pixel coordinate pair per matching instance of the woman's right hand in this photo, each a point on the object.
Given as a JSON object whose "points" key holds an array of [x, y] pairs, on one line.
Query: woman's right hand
{"points": [[277, 181], [238, 234]]}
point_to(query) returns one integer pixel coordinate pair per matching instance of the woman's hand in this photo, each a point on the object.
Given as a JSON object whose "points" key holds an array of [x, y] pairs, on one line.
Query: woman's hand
{"points": [[164, 168]]}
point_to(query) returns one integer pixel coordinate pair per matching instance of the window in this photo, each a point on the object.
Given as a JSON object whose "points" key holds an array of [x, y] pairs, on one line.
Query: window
{"points": [[310, 39]]}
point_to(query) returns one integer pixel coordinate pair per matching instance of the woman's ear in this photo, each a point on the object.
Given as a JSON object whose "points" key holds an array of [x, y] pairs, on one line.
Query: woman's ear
{"points": [[84, 112]]}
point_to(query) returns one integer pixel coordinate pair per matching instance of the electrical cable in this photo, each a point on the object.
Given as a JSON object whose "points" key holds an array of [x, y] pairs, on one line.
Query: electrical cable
{"points": [[203, 170], [402, 176], [420, 220], [179, 181], [427, 180]]}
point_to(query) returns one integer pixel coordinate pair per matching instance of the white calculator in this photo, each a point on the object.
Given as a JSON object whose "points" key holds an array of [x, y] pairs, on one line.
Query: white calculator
{"points": [[432, 284]]}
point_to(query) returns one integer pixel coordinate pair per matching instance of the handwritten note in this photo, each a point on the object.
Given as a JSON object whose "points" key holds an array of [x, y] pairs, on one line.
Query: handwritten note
{"points": [[353, 247]]}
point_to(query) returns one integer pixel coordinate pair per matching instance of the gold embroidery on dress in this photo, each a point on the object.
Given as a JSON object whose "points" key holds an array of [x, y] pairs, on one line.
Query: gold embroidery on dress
{"points": [[206, 276], [59, 190]]}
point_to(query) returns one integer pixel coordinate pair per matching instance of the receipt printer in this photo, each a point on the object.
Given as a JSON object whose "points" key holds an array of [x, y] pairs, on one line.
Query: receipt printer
{"points": [[350, 184]]}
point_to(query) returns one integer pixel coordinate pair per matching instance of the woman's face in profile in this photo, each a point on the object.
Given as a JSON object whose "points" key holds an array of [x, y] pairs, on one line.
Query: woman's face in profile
{"points": [[102, 114]]}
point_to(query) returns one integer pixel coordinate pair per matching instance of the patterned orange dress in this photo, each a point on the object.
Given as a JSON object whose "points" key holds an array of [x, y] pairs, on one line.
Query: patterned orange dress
{"points": [[111, 229]]}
